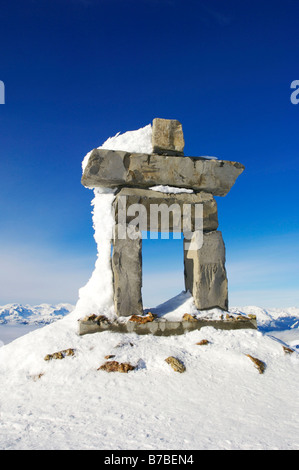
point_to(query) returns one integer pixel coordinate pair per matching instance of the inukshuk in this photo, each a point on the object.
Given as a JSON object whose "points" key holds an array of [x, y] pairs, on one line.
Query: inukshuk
{"points": [[132, 175]]}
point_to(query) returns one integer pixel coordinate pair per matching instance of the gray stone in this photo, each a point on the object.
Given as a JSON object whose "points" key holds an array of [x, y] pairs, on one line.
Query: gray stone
{"points": [[132, 174], [167, 137], [127, 275], [162, 327], [147, 198], [112, 169], [205, 273]]}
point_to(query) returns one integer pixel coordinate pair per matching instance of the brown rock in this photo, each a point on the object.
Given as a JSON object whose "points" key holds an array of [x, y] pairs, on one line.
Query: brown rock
{"points": [[90, 317], [203, 342], [251, 316], [114, 366], [188, 317], [176, 364], [288, 350], [37, 377], [69, 352], [142, 319], [96, 318], [260, 365]]}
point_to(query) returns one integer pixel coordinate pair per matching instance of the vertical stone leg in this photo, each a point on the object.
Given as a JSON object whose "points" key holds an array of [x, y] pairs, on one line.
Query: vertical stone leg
{"points": [[205, 273], [127, 276]]}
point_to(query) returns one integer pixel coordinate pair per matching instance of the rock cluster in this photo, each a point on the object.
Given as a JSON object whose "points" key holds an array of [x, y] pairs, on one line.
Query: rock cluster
{"points": [[60, 354], [133, 174]]}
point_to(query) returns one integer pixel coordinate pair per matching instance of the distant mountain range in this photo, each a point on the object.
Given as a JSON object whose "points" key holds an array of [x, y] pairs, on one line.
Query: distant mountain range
{"points": [[42, 314]]}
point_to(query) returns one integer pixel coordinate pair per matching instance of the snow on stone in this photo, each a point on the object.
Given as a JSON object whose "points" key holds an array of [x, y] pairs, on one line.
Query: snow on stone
{"points": [[138, 141], [96, 297], [170, 189]]}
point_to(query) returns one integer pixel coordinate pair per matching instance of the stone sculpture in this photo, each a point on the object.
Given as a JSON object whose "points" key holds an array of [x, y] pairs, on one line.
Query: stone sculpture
{"points": [[133, 174]]}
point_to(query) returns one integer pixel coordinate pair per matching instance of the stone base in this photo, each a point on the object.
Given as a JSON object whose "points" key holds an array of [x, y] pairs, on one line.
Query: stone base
{"points": [[162, 327]]}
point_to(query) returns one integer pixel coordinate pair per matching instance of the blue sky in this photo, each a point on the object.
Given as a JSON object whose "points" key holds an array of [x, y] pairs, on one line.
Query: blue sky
{"points": [[78, 71]]}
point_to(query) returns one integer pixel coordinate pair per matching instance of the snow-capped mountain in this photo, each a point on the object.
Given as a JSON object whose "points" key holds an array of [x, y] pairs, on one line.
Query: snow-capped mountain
{"points": [[33, 315]]}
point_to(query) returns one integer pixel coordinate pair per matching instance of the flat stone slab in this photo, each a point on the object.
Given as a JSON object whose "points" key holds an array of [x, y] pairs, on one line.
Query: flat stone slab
{"points": [[112, 169], [162, 327], [149, 199]]}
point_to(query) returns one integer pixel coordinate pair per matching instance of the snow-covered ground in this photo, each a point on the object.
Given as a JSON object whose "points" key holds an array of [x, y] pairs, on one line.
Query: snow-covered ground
{"points": [[220, 402]]}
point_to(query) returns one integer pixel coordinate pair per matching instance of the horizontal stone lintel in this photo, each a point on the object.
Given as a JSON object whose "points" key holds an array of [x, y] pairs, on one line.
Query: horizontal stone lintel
{"points": [[126, 199], [112, 169], [163, 327]]}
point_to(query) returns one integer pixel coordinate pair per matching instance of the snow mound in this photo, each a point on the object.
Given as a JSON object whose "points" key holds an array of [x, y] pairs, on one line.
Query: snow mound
{"points": [[220, 402]]}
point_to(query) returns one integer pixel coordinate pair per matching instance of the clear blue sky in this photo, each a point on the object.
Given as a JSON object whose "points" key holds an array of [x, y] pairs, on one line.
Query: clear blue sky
{"points": [[78, 71]]}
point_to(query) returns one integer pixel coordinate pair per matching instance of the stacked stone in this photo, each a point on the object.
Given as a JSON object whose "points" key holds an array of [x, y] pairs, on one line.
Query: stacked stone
{"points": [[133, 174]]}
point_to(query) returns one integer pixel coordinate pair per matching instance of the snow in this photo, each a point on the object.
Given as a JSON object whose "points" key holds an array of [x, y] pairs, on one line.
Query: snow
{"points": [[220, 402], [97, 295], [10, 332], [170, 189], [174, 309]]}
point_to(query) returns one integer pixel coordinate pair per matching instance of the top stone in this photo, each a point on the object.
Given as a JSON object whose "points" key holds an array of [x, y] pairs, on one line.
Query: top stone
{"points": [[167, 137]]}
